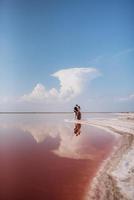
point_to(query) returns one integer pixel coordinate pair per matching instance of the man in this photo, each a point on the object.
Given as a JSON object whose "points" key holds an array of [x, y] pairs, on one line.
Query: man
{"points": [[77, 112]]}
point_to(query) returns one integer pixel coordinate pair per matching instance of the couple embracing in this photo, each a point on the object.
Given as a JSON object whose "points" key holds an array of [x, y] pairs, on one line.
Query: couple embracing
{"points": [[77, 112]]}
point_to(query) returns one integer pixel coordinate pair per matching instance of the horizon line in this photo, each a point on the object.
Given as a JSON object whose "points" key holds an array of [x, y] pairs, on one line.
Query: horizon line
{"points": [[60, 112]]}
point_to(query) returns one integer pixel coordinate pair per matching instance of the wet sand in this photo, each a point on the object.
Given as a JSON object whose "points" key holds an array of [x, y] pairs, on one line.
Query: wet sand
{"points": [[42, 158], [115, 177]]}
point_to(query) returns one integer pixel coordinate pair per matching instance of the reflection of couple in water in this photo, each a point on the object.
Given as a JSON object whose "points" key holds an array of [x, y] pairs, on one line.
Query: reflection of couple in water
{"points": [[77, 127]]}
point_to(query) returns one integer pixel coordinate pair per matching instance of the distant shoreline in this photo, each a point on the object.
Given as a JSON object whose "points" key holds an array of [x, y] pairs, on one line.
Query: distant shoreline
{"points": [[38, 112]]}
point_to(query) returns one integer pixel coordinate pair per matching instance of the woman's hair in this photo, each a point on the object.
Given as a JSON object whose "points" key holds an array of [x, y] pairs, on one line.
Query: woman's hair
{"points": [[75, 108]]}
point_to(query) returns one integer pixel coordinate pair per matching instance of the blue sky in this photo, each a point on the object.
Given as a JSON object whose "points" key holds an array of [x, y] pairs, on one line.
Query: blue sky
{"points": [[39, 38]]}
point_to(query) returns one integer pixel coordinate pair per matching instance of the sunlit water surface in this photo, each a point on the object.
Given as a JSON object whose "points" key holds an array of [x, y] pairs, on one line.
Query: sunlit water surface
{"points": [[44, 157]]}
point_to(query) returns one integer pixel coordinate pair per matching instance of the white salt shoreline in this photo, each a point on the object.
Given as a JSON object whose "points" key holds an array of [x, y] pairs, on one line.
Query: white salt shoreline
{"points": [[115, 178]]}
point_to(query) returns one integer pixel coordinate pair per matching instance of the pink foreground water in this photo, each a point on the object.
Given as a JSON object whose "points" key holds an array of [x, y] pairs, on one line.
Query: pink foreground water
{"points": [[42, 157]]}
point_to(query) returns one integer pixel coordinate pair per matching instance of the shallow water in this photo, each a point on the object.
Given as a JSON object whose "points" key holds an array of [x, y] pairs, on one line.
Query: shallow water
{"points": [[43, 157]]}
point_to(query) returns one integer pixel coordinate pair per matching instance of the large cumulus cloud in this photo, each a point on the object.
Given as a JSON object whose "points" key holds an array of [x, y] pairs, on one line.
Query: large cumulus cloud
{"points": [[72, 82]]}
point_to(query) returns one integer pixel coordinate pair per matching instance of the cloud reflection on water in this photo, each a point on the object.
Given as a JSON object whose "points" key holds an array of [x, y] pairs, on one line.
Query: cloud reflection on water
{"points": [[70, 146]]}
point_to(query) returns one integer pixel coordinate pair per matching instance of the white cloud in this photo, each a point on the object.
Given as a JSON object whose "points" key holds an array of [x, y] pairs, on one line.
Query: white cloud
{"points": [[6, 99], [124, 52], [73, 81], [127, 98], [39, 93], [3, 100], [96, 60]]}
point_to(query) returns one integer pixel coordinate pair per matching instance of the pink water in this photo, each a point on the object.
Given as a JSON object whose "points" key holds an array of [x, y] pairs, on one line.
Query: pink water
{"points": [[42, 157]]}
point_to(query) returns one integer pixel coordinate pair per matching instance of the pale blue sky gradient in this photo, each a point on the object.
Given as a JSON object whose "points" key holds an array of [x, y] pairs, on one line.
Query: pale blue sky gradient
{"points": [[38, 38]]}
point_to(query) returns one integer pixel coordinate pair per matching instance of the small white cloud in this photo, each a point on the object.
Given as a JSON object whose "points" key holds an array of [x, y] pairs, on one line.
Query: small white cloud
{"points": [[124, 52], [96, 60], [3, 100], [73, 81], [40, 93], [127, 98], [6, 99]]}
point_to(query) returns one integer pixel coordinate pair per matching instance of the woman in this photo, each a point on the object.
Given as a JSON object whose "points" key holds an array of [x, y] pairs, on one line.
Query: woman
{"points": [[77, 112]]}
